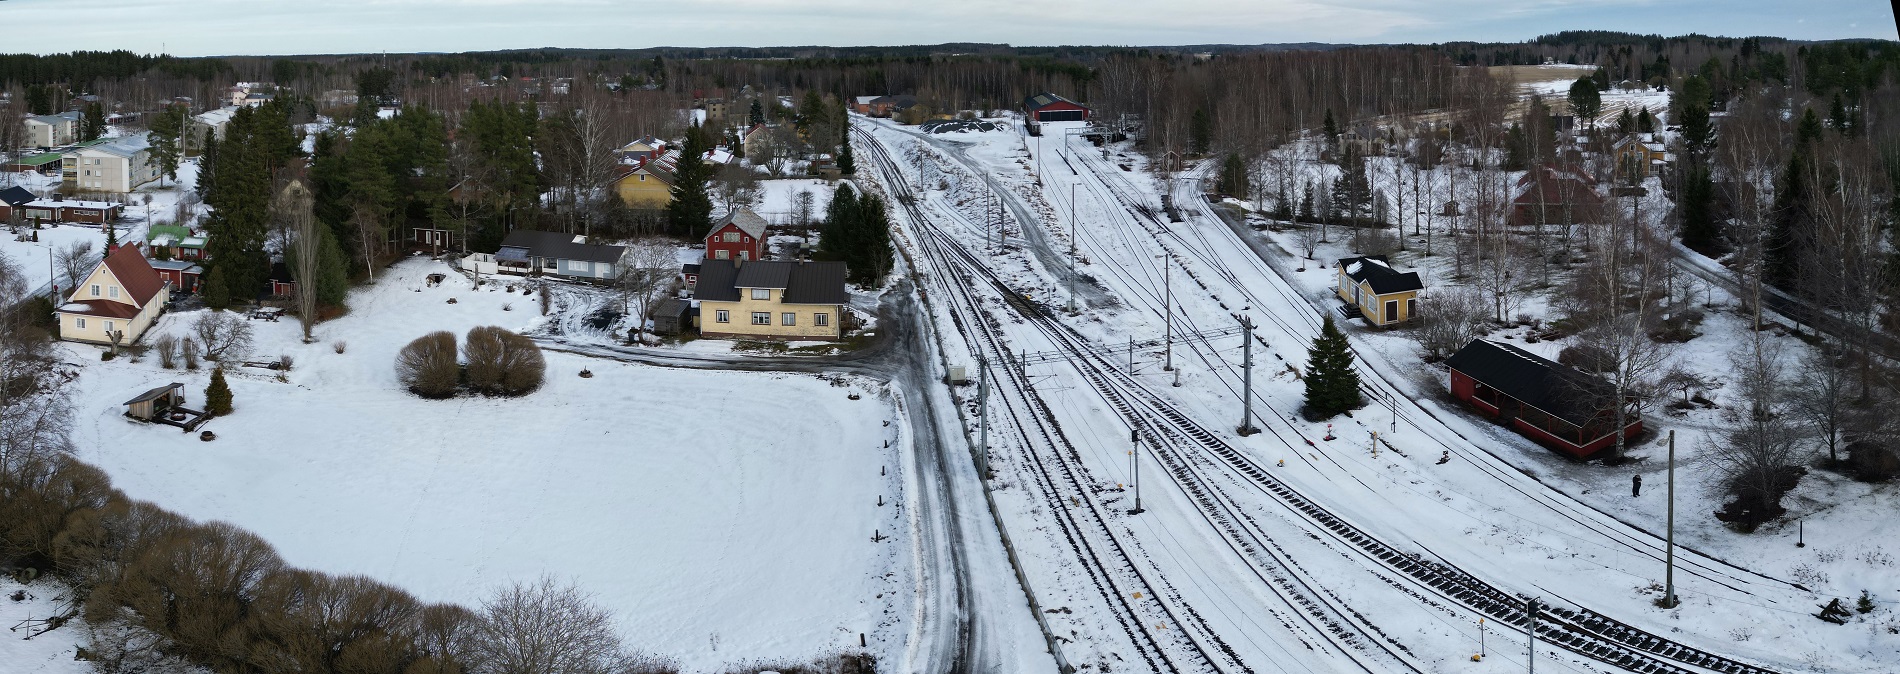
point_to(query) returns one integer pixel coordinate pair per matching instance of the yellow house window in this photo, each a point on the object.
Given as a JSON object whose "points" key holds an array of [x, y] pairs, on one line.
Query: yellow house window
{"points": [[79, 322], [722, 316], [761, 318], [821, 319], [762, 293], [95, 290]]}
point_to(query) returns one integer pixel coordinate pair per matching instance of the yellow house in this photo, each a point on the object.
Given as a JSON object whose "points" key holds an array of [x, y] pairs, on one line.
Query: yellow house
{"points": [[767, 299], [649, 185], [1374, 290], [116, 302], [1638, 157]]}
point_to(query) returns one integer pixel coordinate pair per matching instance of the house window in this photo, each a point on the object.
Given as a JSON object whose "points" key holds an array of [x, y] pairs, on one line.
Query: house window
{"points": [[788, 318], [722, 255], [79, 322], [762, 294], [761, 318], [108, 328], [821, 319], [113, 292], [722, 316], [732, 237], [95, 290]]}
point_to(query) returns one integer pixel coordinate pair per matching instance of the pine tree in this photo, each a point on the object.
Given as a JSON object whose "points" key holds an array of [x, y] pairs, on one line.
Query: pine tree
{"points": [[756, 115], [1200, 131], [1645, 122], [1808, 129], [1352, 190], [1838, 115], [1332, 386], [1697, 131], [1699, 227], [92, 124], [218, 394], [1282, 207], [690, 212], [1331, 127], [1626, 122], [1585, 100], [1233, 177], [167, 140], [835, 234], [1789, 224], [112, 239], [847, 164], [1306, 204], [211, 289]]}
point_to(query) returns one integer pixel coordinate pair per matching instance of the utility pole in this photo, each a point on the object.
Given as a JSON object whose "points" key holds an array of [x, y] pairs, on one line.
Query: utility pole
{"points": [[1072, 234], [1532, 660], [1131, 356], [1167, 312], [1669, 575], [983, 416], [1246, 377], [1134, 439]]}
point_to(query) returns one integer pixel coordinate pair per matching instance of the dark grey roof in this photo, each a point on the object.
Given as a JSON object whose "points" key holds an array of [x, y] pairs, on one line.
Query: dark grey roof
{"points": [[765, 274], [803, 282], [1377, 272], [715, 281], [153, 394], [1045, 99], [561, 246], [689, 268], [16, 195], [672, 306], [748, 222], [1534, 380]]}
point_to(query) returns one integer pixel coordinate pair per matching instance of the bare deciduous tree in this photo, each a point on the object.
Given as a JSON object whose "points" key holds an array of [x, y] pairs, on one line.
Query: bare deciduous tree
{"points": [[1758, 458], [34, 416], [647, 268], [74, 261], [427, 365], [1449, 319], [545, 627], [221, 335], [292, 209]]}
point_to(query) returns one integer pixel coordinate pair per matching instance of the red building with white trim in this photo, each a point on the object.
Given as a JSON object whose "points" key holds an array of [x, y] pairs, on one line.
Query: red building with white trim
{"points": [[1550, 402], [739, 236]]}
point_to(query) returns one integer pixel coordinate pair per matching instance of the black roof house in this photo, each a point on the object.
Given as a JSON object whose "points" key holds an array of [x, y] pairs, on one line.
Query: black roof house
{"points": [[555, 245], [16, 195], [1557, 389], [1376, 271], [803, 282]]}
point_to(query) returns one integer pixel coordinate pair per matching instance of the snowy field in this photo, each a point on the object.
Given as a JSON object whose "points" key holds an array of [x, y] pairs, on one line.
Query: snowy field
{"points": [[22, 649], [725, 517]]}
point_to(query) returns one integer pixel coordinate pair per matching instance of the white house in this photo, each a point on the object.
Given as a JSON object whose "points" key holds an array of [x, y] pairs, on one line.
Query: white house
{"points": [[117, 166]]}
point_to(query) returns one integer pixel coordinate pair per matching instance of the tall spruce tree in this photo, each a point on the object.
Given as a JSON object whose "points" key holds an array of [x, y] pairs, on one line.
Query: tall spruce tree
{"points": [[847, 164], [255, 147], [1791, 223], [1200, 131], [92, 124], [690, 212], [218, 394], [167, 140], [1700, 231], [1233, 177], [1332, 386]]}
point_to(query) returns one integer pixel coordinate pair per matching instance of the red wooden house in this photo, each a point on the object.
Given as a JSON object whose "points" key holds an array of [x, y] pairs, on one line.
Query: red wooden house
{"points": [[1048, 107], [739, 236], [1554, 195], [1552, 403], [182, 274]]}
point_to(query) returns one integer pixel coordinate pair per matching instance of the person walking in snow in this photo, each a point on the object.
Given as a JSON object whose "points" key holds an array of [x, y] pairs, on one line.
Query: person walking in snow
{"points": [[1636, 486]]}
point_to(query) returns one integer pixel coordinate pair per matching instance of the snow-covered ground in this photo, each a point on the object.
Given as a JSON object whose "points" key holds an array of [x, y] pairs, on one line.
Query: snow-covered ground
{"points": [[725, 517], [1501, 508], [23, 648]]}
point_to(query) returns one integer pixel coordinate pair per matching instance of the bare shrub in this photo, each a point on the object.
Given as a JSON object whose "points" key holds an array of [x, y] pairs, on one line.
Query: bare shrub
{"points": [[550, 627], [502, 362], [189, 350], [221, 335], [1448, 320], [284, 361], [167, 348], [427, 366], [339, 345]]}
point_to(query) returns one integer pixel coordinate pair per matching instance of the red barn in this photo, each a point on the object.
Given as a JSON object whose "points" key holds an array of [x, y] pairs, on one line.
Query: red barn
{"points": [[1048, 107], [739, 236], [1552, 403]]}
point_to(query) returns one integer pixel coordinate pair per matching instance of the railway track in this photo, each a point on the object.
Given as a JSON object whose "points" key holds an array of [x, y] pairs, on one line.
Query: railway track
{"points": [[1085, 528]]}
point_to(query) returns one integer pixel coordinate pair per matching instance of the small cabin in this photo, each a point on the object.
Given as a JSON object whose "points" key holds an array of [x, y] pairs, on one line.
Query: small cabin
{"points": [[156, 403], [1373, 290], [1550, 402]]}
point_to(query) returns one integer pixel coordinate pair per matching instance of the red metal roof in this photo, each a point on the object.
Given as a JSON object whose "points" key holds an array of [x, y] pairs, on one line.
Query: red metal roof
{"points": [[134, 274]]}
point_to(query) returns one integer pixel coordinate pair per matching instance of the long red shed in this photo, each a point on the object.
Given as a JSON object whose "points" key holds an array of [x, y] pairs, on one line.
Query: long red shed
{"points": [[1552, 403]]}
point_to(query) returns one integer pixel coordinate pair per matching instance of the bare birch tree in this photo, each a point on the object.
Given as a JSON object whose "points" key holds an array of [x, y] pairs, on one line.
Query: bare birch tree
{"points": [[292, 209]]}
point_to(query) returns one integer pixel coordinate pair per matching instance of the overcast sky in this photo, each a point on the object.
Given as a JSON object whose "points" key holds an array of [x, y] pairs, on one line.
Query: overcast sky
{"points": [[224, 27]]}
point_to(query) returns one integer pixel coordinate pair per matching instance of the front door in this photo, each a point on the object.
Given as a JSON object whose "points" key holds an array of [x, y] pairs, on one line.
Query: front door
{"points": [[1391, 310]]}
